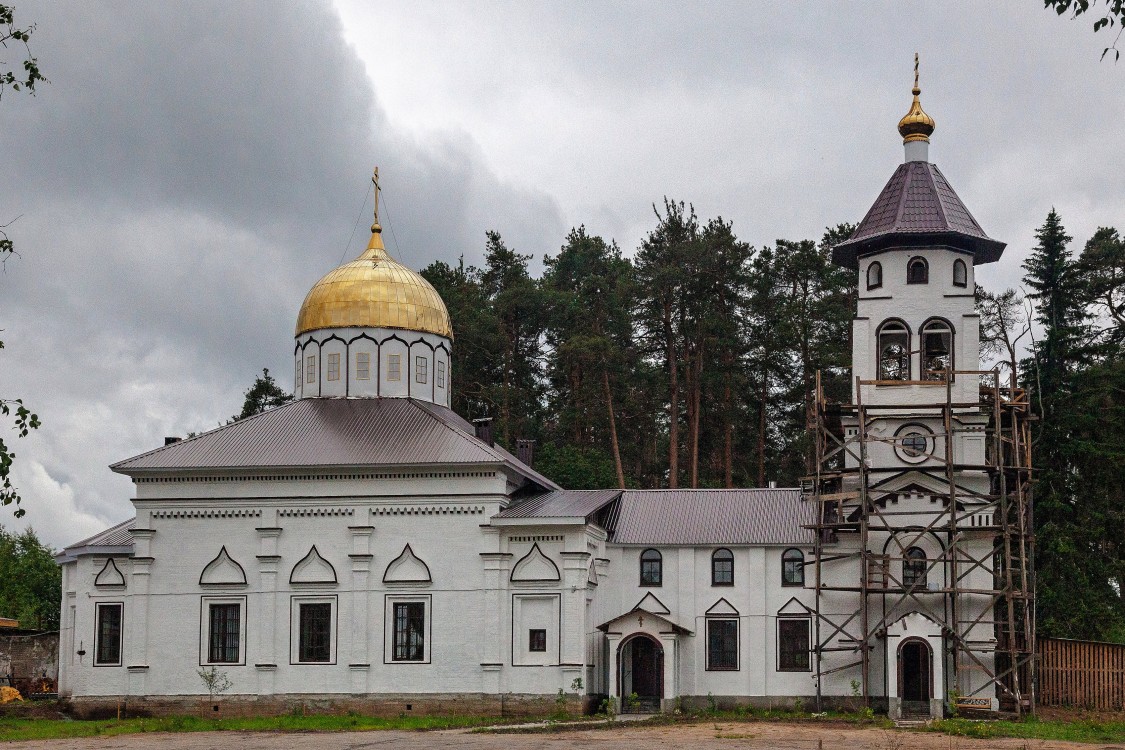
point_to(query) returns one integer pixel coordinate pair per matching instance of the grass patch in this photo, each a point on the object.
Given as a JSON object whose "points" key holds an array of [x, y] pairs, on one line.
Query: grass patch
{"points": [[47, 729], [1080, 730]]}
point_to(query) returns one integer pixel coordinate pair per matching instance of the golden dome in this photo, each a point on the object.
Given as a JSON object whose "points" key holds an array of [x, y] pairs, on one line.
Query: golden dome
{"points": [[916, 125], [374, 291]]}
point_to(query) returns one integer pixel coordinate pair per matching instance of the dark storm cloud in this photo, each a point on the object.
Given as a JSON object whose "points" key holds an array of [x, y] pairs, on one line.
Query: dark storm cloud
{"points": [[189, 172]]}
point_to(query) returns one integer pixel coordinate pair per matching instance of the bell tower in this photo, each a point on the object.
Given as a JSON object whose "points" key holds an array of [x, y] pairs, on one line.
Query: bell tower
{"points": [[922, 481]]}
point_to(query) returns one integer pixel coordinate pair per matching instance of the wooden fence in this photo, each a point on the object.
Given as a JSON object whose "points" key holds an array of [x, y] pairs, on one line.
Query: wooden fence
{"points": [[1083, 674]]}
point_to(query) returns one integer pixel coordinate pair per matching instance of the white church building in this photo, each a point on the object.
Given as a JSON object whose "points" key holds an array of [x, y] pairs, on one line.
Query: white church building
{"points": [[364, 546]]}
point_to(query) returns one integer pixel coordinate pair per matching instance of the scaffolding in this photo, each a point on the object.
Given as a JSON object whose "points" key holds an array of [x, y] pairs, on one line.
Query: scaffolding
{"points": [[850, 500]]}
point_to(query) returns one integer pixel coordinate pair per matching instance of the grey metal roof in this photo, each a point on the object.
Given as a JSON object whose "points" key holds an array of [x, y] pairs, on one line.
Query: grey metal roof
{"points": [[118, 536], [690, 517], [917, 207], [334, 432], [561, 503]]}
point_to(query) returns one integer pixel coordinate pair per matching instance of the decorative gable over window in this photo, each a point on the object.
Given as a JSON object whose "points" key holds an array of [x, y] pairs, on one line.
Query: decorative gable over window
{"points": [[722, 608], [222, 571], [313, 569], [110, 576], [651, 604], [535, 566], [407, 568]]}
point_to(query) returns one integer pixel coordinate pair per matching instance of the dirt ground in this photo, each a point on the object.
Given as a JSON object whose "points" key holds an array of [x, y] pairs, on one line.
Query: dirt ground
{"points": [[725, 735]]}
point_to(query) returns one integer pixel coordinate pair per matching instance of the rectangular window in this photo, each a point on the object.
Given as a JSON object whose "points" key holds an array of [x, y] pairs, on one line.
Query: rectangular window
{"points": [[107, 650], [333, 366], [315, 642], [297, 374], [537, 640], [394, 367], [793, 645], [409, 631], [310, 369], [722, 644], [222, 642], [363, 366], [440, 374], [420, 373]]}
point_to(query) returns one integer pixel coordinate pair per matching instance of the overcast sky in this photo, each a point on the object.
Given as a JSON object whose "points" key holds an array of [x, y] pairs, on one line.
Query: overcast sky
{"points": [[193, 168]]}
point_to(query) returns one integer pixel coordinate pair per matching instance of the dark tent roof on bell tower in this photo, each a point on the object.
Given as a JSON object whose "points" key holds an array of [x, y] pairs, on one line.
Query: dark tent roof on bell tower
{"points": [[917, 208]]}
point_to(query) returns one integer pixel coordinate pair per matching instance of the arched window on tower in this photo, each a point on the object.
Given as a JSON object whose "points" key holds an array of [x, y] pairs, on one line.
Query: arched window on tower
{"points": [[917, 271], [874, 275], [937, 350], [960, 273], [914, 564], [894, 351]]}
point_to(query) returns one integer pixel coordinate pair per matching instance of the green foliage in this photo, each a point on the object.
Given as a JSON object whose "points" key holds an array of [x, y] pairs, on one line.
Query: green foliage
{"points": [[16, 729], [30, 581], [24, 420], [12, 33], [215, 681], [264, 394], [1113, 15], [1077, 380]]}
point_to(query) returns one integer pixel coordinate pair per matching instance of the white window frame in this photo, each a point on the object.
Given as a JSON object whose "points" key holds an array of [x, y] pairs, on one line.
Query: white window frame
{"points": [[98, 607], [421, 369], [394, 367], [441, 374], [205, 603], [363, 366], [334, 366], [295, 603], [389, 627], [310, 368]]}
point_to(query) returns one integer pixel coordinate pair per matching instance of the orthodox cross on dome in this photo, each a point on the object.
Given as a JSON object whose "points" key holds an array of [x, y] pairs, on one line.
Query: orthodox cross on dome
{"points": [[915, 92], [376, 228], [916, 126]]}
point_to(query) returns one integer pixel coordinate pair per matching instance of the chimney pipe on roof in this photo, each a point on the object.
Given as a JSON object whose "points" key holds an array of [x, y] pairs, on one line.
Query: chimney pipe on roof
{"points": [[525, 452], [171, 439], [773, 484], [483, 429]]}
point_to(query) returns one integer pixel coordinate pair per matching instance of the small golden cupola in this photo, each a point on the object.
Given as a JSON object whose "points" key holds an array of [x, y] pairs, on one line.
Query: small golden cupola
{"points": [[917, 126], [373, 328]]}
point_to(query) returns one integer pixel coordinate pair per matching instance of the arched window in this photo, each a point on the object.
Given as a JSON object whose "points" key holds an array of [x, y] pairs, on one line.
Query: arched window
{"points": [[793, 568], [917, 271], [894, 351], [874, 275], [937, 350], [960, 273], [652, 568], [914, 565], [722, 568]]}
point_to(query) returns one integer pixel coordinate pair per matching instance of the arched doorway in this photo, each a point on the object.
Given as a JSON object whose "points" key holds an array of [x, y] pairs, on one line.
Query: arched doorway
{"points": [[915, 676], [640, 671]]}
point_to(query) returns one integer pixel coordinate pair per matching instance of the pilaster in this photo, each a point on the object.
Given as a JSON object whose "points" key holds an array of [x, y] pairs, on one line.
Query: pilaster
{"points": [[269, 561]]}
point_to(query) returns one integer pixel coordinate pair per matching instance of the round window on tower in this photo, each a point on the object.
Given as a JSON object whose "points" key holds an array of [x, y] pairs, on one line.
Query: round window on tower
{"points": [[914, 444]]}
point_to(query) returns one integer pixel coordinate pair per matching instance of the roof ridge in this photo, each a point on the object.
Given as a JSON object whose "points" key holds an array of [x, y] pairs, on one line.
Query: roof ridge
{"points": [[212, 431], [471, 439], [961, 202], [907, 167], [937, 194], [103, 532]]}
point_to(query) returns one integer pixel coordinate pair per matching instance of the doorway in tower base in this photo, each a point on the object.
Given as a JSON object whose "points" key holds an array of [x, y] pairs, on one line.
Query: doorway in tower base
{"points": [[915, 676], [640, 662]]}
